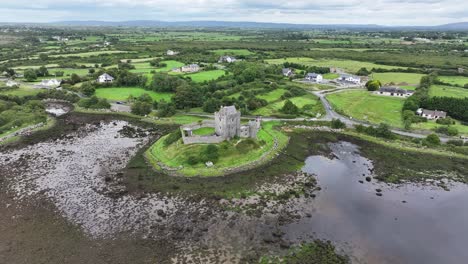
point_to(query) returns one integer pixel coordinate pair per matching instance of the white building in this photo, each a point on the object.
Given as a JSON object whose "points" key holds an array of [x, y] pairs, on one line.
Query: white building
{"points": [[431, 114], [227, 59], [190, 68], [171, 53], [105, 78], [314, 77], [48, 84], [288, 72], [394, 91], [350, 78], [11, 83]]}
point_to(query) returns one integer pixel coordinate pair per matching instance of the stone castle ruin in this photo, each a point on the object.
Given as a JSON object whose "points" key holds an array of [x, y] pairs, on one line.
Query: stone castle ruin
{"points": [[227, 125]]}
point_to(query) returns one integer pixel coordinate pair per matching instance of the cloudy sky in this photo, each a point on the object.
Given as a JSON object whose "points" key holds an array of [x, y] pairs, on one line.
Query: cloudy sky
{"points": [[384, 12]]}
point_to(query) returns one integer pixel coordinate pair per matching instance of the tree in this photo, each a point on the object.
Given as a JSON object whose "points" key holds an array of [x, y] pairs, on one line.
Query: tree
{"points": [[337, 124], [141, 108], [75, 78], [211, 105], [363, 72], [87, 89], [43, 57], [166, 109], [30, 75], [42, 71], [373, 85], [211, 153], [432, 140], [290, 108], [187, 97]]}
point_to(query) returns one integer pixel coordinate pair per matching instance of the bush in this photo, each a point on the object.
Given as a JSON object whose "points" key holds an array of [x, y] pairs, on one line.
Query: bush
{"points": [[445, 121], [458, 143], [337, 124], [211, 153], [172, 137], [94, 103], [290, 108], [449, 131], [432, 140], [193, 160]]}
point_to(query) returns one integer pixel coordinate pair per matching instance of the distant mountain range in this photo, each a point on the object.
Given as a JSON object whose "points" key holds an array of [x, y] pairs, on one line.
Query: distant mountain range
{"points": [[462, 26]]}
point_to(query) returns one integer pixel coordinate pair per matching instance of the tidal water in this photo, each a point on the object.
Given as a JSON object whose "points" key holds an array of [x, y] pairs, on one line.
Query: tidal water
{"points": [[407, 224]]}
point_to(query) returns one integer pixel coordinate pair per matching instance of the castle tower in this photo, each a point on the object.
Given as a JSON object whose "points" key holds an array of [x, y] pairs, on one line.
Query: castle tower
{"points": [[227, 122]]}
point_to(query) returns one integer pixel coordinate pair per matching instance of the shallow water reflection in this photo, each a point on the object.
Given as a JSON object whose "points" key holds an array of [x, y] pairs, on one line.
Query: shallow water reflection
{"points": [[407, 224]]}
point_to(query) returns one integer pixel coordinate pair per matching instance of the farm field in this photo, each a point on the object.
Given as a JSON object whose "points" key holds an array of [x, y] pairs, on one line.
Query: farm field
{"points": [[454, 80], [274, 108], [364, 106], [171, 64], [89, 54], [237, 52], [448, 91], [348, 65], [22, 91], [397, 77], [122, 93], [142, 67], [272, 96], [206, 75]]}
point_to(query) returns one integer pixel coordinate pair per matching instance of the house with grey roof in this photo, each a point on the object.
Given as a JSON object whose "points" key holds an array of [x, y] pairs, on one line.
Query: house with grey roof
{"points": [[314, 77], [288, 72], [105, 78], [190, 68], [350, 78], [394, 91], [431, 114]]}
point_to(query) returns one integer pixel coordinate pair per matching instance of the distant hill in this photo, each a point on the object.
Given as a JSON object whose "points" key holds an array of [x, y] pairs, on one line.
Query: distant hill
{"points": [[461, 26]]}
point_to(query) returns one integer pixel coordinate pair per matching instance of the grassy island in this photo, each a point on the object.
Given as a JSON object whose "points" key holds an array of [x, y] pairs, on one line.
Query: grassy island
{"points": [[170, 154]]}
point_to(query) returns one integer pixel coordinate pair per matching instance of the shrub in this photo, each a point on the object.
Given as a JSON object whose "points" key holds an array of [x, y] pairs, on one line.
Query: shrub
{"points": [[432, 140], [457, 142], [172, 137], [290, 108], [211, 153], [337, 124], [193, 160], [445, 121]]}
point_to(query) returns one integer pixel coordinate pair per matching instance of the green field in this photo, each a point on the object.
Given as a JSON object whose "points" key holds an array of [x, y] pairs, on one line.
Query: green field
{"points": [[272, 96], [238, 52], [397, 77], [454, 80], [122, 93], [331, 76], [448, 91], [365, 106], [206, 75], [274, 108], [88, 54], [142, 67], [235, 154], [22, 91], [171, 64], [348, 65]]}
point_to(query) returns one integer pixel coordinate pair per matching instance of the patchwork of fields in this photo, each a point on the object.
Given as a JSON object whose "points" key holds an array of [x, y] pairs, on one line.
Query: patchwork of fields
{"points": [[448, 91]]}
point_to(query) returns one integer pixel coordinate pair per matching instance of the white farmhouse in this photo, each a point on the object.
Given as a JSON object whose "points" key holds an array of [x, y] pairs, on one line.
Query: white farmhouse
{"points": [[48, 84], [105, 78], [190, 68], [350, 78], [227, 59], [394, 91], [171, 53], [431, 114], [314, 77], [288, 72]]}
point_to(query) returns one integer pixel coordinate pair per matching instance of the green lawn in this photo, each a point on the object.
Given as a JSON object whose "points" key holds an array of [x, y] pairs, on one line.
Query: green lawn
{"points": [[365, 106], [206, 75], [272, 96], [448, 91], [234, 154], [122, 93], [171, 64], [348, 65], [204, 131], [331, 76], [454, 80], [237, 52], [397, 77], [142, 67]]}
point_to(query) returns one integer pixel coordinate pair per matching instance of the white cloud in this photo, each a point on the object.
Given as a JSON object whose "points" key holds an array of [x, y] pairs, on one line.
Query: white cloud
{"points": [[386, 12]]}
